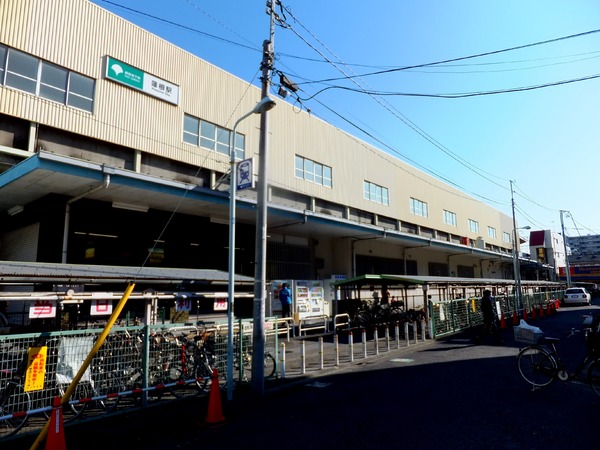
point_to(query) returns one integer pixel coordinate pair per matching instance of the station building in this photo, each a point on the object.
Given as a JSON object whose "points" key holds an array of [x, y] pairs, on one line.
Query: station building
{"points": [[114, 144]]}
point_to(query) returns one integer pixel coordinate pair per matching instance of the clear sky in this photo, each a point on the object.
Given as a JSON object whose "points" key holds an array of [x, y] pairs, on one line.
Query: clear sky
{"points": [[545, 139]]}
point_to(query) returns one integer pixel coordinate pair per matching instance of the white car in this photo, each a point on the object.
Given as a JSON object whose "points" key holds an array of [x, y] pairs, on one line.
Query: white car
{"points": [[577, 295]]}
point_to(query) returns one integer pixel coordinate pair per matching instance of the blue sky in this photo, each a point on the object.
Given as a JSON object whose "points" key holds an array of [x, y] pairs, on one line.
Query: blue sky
{"points": [[545, 140]]}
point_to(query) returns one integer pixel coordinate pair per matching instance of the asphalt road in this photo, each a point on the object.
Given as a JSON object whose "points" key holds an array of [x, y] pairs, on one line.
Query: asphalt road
{"points": [[444, 394]]}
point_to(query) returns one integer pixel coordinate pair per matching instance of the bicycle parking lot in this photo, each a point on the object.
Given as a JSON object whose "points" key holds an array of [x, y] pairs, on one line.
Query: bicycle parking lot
{"points": [[178, 360], [471, 394]]}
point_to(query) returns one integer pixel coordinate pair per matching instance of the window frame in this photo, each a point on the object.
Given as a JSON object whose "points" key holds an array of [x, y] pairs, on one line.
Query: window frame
{"points": [[312, 171], [376, 193], [69, 92], [419, 207], [212, 137], [473, 226], [450, 218]]}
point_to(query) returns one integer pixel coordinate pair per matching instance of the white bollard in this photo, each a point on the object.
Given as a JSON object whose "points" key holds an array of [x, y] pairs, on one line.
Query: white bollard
{"points": [[414, 332], [376, 339], [423, 331], [397, 333], [351, 346], [406, 336], [364, 342], [321, 352], [387, 338], [282, 360]]}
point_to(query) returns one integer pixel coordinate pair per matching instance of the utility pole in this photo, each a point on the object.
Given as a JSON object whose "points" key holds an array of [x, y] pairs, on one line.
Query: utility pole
{"points": [[260, 260], [516, 247], [567, 268]]}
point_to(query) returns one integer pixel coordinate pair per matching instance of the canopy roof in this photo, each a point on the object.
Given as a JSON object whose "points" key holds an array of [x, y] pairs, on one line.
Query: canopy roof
{"points": [[414, 280]]}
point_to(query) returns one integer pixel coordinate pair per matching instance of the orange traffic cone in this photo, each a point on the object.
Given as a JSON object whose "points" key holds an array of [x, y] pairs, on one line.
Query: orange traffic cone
{"points": [[55, 440], [533, 311], [541, 311], [215, 410], [502, 322], [515, 318], [525, 315]]}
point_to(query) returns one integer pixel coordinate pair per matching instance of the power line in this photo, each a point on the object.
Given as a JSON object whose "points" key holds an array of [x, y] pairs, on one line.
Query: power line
{"points": [[463, 58], [457, 95]]}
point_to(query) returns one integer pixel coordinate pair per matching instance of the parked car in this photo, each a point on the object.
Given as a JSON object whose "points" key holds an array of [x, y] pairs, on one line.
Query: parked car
{"points": [[577, 295]]}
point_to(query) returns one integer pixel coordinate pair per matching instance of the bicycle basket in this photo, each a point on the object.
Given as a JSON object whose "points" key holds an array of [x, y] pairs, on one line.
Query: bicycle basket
{"points": [[528, 335]]}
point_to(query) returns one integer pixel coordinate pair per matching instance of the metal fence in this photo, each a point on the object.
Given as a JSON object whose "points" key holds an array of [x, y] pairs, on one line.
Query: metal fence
{"points": [[449, 316], [134, 366]]}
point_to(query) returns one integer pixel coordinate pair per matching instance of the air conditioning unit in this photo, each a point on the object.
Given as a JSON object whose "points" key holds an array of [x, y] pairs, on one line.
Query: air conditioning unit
{"points": [[480, 243]]}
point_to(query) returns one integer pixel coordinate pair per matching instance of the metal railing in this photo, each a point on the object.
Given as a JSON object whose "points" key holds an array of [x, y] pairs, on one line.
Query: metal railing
{"points": [[134, 366], [450, 316]]}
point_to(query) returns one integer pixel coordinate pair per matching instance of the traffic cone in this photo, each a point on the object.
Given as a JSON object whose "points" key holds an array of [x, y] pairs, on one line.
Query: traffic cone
{"points": [[541, 311], [215, 410], [502, 322], [55, 439], [525, 314], [533, 311], [515, 318]]}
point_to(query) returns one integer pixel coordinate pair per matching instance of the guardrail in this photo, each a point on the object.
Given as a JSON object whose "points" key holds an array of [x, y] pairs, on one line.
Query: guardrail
{"points": [[313, 323]]}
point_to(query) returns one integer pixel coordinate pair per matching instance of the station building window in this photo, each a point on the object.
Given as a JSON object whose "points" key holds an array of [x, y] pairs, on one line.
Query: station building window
{"points": [[312, 171], [419, 208], [212, 137], [376, 193], [27, 73], [473, 226], [450, 218]]}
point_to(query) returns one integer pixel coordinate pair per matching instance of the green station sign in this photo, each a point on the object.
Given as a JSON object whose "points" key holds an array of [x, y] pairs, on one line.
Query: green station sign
{"points": [[135, 78]]}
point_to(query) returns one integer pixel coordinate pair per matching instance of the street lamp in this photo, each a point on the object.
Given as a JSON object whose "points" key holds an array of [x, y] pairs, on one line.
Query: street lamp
{"points": [[265, 104], [517, 265]]}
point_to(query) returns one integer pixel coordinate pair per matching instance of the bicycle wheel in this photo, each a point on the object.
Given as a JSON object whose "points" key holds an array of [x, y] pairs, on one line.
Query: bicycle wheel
{"points": [[14, 400], [270, 365], [203, 375], [537, 366], [593, 376], [82, 391], [110, 386]]}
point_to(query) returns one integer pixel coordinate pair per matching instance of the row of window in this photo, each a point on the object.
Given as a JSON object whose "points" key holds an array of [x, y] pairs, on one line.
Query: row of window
{"points": [[27, 73], [420, 208]]}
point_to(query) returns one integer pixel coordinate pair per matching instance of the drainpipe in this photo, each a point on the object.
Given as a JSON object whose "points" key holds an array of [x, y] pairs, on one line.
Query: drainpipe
{"points": [[68, 214]]}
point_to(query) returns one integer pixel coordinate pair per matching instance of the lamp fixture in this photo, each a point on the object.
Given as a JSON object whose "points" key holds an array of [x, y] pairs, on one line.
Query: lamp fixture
{"points": [[16, 210], [130, 207]]}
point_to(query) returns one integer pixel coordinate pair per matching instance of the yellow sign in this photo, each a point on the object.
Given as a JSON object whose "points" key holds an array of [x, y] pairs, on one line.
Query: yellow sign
{"points": [[36, 368]]}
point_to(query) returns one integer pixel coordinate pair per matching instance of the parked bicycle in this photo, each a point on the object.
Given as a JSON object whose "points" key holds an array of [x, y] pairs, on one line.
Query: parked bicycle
{"points": [[540, 364]]}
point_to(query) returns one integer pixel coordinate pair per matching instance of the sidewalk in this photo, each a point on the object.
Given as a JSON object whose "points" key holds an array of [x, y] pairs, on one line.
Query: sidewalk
{"points": [[312, 356]]}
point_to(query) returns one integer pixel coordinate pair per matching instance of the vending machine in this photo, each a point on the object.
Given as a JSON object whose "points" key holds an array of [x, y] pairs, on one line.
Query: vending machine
{"points": [[308, 298]]}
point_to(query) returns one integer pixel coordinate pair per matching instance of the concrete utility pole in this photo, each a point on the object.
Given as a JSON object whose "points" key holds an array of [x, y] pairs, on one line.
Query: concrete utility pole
{"points": [[516, 248], [260, 260], [567, 268]]}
